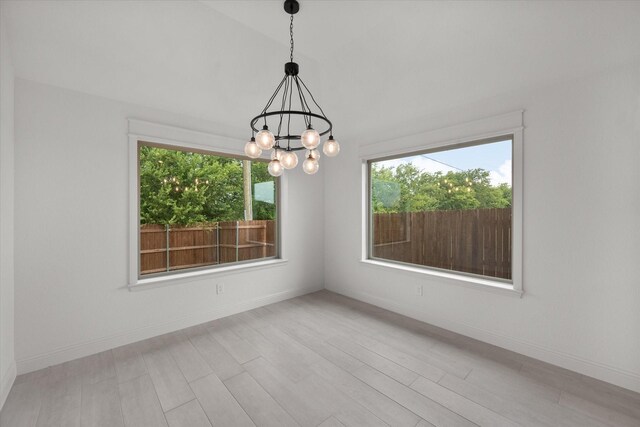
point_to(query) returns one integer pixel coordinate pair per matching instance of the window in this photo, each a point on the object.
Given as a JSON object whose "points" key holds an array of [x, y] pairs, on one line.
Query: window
{"points": [[199, 209], [448, 208]]}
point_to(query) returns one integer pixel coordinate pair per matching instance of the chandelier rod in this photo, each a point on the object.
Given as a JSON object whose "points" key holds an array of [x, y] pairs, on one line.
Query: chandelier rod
{"points": [[303, 102], [289, 119], [274, 95], [282, 105], [311, 95]]}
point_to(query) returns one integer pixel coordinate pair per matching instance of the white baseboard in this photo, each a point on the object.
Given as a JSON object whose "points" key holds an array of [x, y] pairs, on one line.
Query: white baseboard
{"points": [[610, 374], [65, 354], [6, 382]]}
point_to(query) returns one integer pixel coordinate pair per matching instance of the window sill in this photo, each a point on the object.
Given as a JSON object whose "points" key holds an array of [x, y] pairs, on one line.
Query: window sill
{"points": [[458, 279], [155, 282]]}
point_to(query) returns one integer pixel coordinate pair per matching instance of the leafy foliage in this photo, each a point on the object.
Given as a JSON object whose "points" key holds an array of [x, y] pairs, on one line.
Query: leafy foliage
{"points": [[407, 189], [179, 187]]}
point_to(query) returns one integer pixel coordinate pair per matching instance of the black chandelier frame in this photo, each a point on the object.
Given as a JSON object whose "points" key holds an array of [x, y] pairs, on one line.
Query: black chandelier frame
{"points": [[292, 86]]}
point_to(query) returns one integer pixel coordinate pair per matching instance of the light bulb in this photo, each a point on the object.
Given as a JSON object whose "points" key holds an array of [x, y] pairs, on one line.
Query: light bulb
{"points": [[265, 139], [310, 138], [275, 168], [289, 159], [252, 150], [314, 154], [276, 154], [310, 165], [331, 147]]}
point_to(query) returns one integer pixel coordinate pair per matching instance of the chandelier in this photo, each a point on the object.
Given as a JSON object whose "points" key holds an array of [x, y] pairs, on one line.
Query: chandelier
{"points": [[298, 110]]}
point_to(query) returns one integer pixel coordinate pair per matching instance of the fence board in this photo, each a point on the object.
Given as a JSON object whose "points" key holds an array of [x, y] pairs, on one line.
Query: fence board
{"points": [[207, 244], [472, 241]]}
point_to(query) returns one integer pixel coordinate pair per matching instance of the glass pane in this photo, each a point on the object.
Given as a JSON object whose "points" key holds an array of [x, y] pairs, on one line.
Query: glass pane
{"points": [[199, 209], [448, 209]]}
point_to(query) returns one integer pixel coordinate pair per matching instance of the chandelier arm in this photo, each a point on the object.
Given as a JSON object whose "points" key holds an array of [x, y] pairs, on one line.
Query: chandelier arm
{"points": [[311, 95], [274, 94], [303, 102], [282, 104]]}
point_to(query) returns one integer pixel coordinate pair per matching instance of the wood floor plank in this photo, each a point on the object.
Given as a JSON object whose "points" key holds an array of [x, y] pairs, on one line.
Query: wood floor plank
{"points": [[347, 411], [188, 415], [458, 353], [23, 404], [427, 364], [128, 362], [60, 411], [398, 346], [322, 348], [597, 411], [533, 413], [382, 364], [590, 390], [411, 399], [283, 357], [380, 405], [98, 367], [101, 404], [331, 422], [305, 409], [513, 385], [189, 360], [237, 347], [140, 404], [32, 376], [218, 359], [460, 405], [65, 378], [62, 394], [257, 403], [282, 339], [218, 403], [170, 385]]}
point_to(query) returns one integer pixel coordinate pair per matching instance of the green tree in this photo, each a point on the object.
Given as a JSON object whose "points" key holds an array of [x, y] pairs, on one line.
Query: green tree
{"points": [[179, 187], [407, 189]]}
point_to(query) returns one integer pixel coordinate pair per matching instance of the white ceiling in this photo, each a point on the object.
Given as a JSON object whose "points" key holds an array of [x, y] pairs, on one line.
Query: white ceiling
{"points": [[374, 63]]}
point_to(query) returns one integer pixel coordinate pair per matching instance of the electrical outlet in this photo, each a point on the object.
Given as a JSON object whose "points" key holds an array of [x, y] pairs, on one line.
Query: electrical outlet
{"points": [[419, 291], [219, 289]]}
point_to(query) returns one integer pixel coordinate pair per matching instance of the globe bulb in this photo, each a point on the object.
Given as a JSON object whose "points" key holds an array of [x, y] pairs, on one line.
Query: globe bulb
{"points": [[276, 154], [314, 154], [310, 138], [265, 139], [252, 150], [289, 160], [310, 166], [275, 168], [331, 147]]}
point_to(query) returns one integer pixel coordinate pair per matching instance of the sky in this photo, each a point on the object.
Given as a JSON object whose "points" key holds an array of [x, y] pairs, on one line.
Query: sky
{"points": [[494, 157]]}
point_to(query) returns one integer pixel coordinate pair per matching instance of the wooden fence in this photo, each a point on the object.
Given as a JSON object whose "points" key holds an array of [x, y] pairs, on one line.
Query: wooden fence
{"points": [[207, 244], [471, 241]]}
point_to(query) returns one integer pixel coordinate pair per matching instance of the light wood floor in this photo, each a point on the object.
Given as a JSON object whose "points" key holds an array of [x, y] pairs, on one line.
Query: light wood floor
{"points": [[321, 359]]}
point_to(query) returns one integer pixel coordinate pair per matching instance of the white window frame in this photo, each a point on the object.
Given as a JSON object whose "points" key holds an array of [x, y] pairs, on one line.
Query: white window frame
{"points": [[510, 124], [175, 137]]}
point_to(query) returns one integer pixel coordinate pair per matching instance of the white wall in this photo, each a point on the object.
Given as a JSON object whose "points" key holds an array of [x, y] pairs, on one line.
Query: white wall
{"points": [[7, 360], [581, 233], [72, 222]]}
